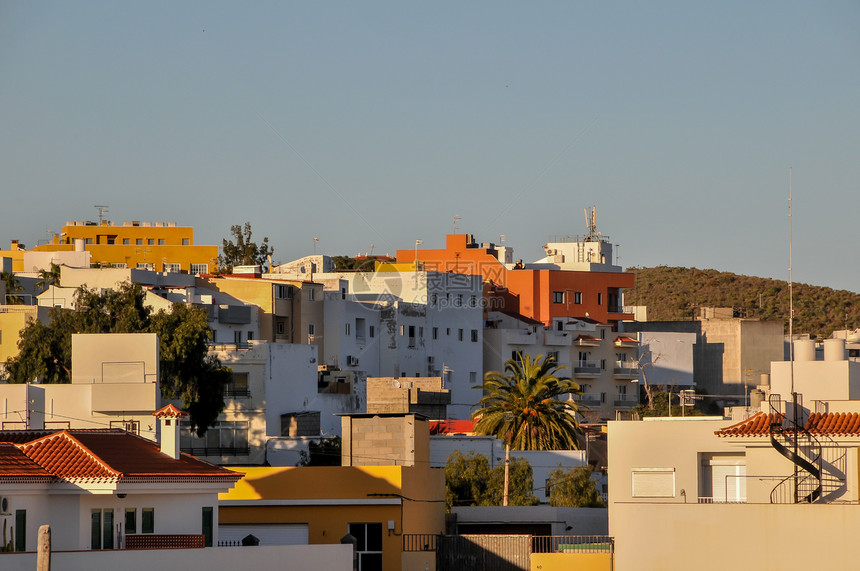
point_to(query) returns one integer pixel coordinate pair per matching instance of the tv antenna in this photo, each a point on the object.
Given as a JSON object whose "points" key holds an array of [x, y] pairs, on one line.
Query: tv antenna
{"points": [[457, 218], [591, 224], [103, 208]]}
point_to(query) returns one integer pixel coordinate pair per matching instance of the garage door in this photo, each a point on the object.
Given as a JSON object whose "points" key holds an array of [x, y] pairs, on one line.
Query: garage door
{"points": [[269, 534]]}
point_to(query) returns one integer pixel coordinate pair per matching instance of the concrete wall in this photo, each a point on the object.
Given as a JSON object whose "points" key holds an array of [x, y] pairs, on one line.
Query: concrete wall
{"points": [[399, 440], [728, 536]]}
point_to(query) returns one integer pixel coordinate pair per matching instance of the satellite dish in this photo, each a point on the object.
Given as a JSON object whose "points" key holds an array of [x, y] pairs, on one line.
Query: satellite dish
{"points": [[396, 384]]}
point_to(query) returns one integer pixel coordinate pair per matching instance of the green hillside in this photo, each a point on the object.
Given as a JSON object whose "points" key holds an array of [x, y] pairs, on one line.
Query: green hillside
{"points": [[674, 293]]}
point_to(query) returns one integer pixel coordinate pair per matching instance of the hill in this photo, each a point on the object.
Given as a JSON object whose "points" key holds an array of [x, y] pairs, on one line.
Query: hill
{"points": [[675, 293]]}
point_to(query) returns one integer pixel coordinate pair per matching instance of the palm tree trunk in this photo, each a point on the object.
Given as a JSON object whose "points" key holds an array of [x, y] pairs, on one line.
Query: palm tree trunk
{"points": [[507, 472]]}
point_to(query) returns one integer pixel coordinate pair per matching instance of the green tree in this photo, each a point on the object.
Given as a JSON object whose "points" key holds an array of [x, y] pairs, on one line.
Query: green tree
{"points": [[469, 481], [188, 372], [524, 408], [573, 488], [243, 251], [322, 452], [48, 278], [12, 285]]}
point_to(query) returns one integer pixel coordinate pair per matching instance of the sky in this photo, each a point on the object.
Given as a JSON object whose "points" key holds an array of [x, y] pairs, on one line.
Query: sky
{"points": [[375, 123]]}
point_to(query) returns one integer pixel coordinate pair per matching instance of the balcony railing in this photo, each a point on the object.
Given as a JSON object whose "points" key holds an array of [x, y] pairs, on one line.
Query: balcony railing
{"points": [[625, 369], [588, 399], [626, 401], [573, 544], [586, 368]]}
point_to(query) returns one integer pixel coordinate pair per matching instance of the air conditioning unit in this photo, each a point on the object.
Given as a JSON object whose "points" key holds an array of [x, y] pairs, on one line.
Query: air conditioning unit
{"points": [[351, 361], [551, 251]]}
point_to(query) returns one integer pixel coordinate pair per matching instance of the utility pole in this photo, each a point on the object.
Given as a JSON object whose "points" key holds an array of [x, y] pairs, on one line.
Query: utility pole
{"points": [[43, 551]]}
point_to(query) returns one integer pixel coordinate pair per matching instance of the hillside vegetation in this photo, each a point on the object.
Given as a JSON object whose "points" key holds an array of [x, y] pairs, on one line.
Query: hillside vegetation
{"points": [[675, 293]]}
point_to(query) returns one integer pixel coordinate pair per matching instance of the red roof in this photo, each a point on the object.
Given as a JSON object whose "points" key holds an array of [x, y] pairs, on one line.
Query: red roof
{"points": [[625, 339], [15, 465], [587, 338], [833, 423], [452, 427], [169, 411], [108, 455]]}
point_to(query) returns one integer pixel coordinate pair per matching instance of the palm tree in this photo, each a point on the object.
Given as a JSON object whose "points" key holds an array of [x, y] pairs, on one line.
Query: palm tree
{"points": [[50, 277], [523, 407], [12, 285]]}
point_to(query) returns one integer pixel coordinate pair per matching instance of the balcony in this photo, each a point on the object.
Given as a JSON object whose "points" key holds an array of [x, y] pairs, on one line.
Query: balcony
{"points": [[627, 342], [588, 399], [625, 401], [519, 337], [556, 338], [625, 370], [586, 369]]}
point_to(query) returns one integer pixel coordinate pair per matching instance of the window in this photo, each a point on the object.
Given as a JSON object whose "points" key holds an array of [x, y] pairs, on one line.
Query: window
{"points": [[603, 364], [161, 241], [145, 266], [603, 333], [150, 241], [139, 241], [653, 482], [283, 292], [171, 268], [199, 269], [208, 522], [559, 325], [558, 297], [101, 529], [237, 337], [435, 333], [552, 355], [226, 438], [89, 241], [238, 386], [600, 299], [421, 332], [723, 477], [577, 297], [459, 335], [402, 330], [311, 329], [473, 377], [343, 293], [280, 327], [126, 241], [368, 545], [622, 392], [448, 331], [20, 530], [310, 294], [130, 521], [371, 330], [186, 242], [347, 329], [147, 520], [474, 335]]}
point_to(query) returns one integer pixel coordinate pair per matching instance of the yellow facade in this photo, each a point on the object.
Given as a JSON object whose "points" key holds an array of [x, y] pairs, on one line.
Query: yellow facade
{"points": [[567, 561], [160, 246], [13, 318], [329, 498]]}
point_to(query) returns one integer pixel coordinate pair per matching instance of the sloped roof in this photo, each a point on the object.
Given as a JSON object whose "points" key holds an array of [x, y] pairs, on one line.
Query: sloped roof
{"points": [[15, 465], [831, 424], [625, 339], [109, 456]]}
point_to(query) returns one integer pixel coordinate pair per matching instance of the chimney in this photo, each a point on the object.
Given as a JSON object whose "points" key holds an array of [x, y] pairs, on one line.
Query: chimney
{"points": [[168, 428]]}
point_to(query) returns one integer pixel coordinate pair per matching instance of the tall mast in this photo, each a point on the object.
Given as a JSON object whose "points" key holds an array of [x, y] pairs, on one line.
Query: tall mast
{"points": [[790, 290]]}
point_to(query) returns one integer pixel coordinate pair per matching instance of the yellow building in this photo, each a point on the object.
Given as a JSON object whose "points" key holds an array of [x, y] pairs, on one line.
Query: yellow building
{"points": [[159, 246], [13, 318], [385, 507]]}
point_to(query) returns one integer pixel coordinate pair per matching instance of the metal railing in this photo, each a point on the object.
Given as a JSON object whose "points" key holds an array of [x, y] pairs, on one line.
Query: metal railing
{"points": [[573, 544], [419, 542]]}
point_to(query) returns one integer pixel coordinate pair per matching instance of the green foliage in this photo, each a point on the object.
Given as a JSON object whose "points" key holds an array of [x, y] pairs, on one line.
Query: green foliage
{"points": [[188, 372], [469, 481], [674, 294], [12, 285], [573, 488], [348, 264], [322, 452], [244, 251], [48, 278], [661, 406], [523, 407]]}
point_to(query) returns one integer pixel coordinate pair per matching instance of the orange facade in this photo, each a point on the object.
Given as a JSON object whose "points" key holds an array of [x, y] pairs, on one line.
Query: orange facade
{"points": [[539, 294]]}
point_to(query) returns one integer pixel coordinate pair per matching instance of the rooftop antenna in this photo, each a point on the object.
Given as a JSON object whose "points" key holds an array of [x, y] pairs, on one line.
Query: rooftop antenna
{"points": [[591, 224], [315, 245], [369, 254], [790, 290], [102, 209], [457, 218]]}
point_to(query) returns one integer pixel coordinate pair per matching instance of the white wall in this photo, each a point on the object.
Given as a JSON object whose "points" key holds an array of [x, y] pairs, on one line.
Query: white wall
{"points": [[334, 557]]}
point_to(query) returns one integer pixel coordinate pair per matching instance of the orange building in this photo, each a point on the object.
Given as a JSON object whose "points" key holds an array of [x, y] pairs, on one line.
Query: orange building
{"points": [[533, 290]]}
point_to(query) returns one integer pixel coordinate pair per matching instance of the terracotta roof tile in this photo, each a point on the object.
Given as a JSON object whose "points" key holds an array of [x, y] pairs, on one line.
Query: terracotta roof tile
{"points": [[107, 455], [169, 411], [756, 425], [833, 423], [452, 426], [625, 339], [14, 464]]}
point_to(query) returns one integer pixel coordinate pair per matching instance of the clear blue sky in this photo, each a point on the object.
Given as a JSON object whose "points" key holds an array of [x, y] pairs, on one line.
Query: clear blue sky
{"points": [[370, 122]]}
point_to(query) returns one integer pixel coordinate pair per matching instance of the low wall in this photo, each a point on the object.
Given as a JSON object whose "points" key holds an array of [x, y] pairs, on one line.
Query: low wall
{"points": [[568, 561], [281, 557]]}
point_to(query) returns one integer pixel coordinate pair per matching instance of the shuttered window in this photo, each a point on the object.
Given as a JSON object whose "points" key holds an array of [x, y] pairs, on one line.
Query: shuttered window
{"points": [[653, 482]]}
